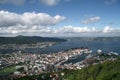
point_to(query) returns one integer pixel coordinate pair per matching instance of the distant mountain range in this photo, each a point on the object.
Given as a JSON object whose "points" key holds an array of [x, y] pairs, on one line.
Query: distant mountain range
{"points": [[28, 39], [34, 39], [93, 39]]}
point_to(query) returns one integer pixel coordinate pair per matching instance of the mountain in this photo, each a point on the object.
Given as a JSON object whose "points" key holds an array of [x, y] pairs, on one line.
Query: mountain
{"points": [[93, 39], [28, 39]]}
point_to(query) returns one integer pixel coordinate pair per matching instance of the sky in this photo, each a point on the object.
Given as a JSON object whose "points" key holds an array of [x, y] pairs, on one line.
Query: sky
{"points": [[60, 18]]}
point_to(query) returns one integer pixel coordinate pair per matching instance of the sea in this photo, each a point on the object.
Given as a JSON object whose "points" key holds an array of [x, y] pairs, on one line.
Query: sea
{"points": [[105, 46]]}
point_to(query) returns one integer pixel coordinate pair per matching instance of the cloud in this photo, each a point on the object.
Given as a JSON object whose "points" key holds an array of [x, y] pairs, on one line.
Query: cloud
{"points": [[110, 2], [31, 23], [28, 19], [13, 2], [50, 2], [23, 30], [108, 29], [53, 2], [91, 20], [66, 31], [74, 29]]}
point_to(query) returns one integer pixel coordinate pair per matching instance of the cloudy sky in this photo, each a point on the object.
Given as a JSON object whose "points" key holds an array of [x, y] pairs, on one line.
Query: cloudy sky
{"points": [[60, 18]]}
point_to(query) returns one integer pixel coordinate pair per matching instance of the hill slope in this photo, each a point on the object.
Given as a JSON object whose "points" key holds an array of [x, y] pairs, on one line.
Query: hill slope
{"points": [[109, 70]]}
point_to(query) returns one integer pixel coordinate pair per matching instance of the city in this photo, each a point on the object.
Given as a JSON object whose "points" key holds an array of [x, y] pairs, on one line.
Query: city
{"points": [[27, 64]]}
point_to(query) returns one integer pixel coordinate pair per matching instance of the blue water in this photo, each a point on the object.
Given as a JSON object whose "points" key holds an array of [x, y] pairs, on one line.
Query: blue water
{"points": [[93, 45]]}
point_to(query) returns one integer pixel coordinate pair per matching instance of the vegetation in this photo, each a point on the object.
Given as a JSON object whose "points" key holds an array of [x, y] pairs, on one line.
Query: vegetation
{"points": [[109, 70], [27, 40], [7, 70]]}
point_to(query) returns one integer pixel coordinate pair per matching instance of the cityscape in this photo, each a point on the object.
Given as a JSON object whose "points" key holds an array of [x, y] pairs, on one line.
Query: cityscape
{"points": [[27, 64]]}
